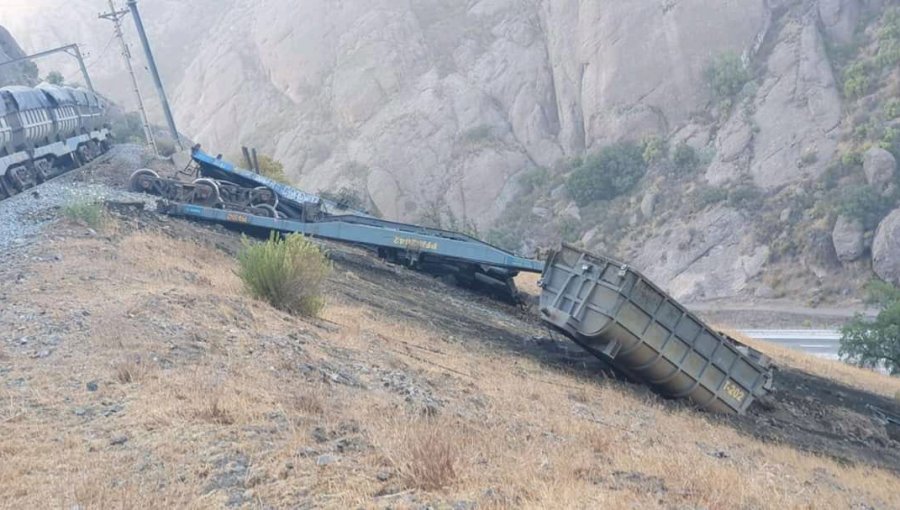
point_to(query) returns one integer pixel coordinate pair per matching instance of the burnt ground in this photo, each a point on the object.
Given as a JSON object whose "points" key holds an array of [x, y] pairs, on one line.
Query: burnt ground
{"points": [[807, 412]]}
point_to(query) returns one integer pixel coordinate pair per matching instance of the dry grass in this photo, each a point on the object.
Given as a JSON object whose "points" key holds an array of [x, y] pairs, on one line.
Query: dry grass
{"points": [[855, 377], [130, 370], [223, 405], [528, 283], [426, 452]]}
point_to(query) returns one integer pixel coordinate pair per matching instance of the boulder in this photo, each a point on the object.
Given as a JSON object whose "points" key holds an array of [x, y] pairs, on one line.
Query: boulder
{"points": [[886, 249], [880, 167], [847, 237]]}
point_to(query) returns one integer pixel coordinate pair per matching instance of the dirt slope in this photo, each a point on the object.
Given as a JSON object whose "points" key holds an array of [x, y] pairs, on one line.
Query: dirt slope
{"points": [[134, 372]]}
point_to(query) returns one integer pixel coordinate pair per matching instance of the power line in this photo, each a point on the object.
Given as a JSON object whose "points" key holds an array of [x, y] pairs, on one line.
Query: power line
{"points": [[116, 17], [75, 52]]}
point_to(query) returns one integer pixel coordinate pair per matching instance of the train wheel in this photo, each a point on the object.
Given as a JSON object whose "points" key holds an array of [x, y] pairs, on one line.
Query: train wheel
{"points": [[265, 210], [263, 195], [143, 180], [4, 192], [21, 177], [86, 153], [206, 193], [44, 169]]}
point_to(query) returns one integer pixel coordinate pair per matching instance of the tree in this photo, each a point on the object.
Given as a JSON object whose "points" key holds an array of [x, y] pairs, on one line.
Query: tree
{"points": [[685, 158], [55, 78], [871, 344], [608, 174], [726, 75], [268, 167], [272, 168]]}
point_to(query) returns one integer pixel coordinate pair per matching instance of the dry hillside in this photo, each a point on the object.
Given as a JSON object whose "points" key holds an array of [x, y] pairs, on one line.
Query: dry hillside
{"points": [[136, 373]]}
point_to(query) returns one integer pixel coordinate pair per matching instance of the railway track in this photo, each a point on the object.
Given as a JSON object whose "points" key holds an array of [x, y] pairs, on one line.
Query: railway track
{"points": [[102, 157]]}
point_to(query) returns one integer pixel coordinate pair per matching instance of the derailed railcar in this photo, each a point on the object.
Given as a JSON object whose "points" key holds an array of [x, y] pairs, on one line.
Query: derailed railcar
{"points": [[46, 130], [620, 316]]}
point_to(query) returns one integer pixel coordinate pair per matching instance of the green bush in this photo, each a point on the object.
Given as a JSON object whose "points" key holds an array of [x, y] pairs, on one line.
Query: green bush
{"points": [[745, 196], [892, 108], [272, 168], [890, 25], [288, 273], [478, 134], [654, 149], [888, 54], [128, 128], [534, 179], [834, 173], [865, 204], [852, 159], [880, 293], [165, 147], [856, 80], [55, 78], [726, 75], [608, 174], [268, 167], [890, 141], [872, 344], [708, 195], [86, 211], [889, 39], [809, 157], [685, 158]]}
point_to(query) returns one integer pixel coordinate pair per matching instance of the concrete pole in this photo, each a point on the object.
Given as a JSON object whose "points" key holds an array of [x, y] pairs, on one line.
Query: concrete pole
{"points": [[132, 4], [87, 77]]}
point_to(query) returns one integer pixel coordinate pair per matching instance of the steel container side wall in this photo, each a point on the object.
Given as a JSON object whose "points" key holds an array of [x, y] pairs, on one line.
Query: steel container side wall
{"points": [[607, 307], [5, 132]]}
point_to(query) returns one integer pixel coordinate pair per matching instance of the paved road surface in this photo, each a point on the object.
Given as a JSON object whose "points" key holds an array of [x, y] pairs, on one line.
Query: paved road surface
{"points": [[820, 342]]}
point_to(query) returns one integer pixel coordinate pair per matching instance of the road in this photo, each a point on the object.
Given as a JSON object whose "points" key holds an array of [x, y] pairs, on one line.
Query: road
{"points": [[819, 342]]}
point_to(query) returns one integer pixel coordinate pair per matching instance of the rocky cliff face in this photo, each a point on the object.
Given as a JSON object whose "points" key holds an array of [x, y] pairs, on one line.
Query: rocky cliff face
{"points": [[436, 109], [15, 74]]}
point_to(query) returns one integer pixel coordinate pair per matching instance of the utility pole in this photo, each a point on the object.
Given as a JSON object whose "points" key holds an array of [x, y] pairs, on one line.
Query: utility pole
{"points": [[75, 52], [132, 4], [115, 16]]}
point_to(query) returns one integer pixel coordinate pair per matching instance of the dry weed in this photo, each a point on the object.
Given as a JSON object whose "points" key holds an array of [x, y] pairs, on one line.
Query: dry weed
{"points": [[213, 410], [308, 404], [130, 370], [427, 452]]}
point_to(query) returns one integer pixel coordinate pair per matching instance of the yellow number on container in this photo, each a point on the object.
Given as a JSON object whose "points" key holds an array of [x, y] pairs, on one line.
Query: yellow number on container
{"points": [[734, 392]]}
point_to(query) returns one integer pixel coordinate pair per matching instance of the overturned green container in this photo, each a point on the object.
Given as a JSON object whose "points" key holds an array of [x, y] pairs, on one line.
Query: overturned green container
{"points": [[621, 317]]}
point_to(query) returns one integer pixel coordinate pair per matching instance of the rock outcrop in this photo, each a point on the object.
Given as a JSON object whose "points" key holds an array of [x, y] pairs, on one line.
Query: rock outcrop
{"points": [[886, 249], [24, 73], [786, 131], [848, 240], [880, 167]]}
